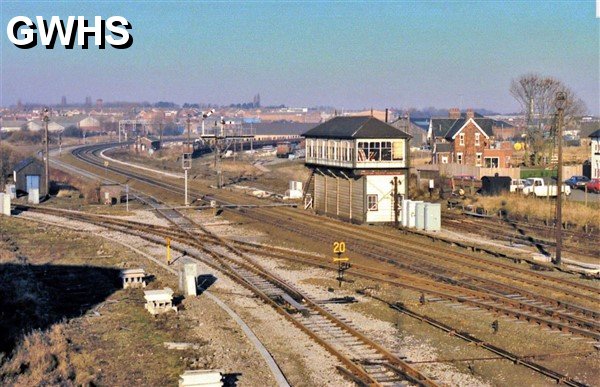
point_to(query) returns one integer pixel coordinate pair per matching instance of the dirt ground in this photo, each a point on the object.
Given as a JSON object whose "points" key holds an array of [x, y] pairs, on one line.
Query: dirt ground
{"points": [[116, 342]]}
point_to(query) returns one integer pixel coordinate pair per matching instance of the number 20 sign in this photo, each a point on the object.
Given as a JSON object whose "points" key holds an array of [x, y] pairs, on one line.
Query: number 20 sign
{"points": [[339, 247]]}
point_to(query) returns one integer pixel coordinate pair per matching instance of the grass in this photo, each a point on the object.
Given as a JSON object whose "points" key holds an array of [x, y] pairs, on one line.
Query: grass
{"points": [[121, 346], [574, 213]]}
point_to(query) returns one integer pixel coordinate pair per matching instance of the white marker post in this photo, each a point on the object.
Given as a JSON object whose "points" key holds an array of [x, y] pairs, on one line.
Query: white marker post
{"points": [[186, 164]]}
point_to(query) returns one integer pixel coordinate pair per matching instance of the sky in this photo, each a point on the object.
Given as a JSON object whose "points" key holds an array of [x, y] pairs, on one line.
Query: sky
{"points": [[347, 54]]}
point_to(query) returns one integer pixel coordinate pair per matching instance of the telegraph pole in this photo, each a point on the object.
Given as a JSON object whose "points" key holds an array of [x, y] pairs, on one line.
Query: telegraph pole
{"points": [[160, 129], [560, 107], [220, 138], [46, 154], [187, 164]]}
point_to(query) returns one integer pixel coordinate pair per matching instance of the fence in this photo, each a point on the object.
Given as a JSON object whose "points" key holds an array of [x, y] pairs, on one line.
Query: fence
{"points": [[450, 170]]}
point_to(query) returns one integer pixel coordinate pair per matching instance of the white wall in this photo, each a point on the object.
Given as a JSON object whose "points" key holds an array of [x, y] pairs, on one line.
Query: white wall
{"points": [[595, 158], [381, 186]]}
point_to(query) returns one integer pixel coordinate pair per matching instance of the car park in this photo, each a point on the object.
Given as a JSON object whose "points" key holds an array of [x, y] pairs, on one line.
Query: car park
{"points": [[593, 186], [577, 181]]}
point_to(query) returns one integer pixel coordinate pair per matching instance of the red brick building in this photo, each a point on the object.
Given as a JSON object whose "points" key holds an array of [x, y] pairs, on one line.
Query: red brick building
{"points": [[466, 139]]}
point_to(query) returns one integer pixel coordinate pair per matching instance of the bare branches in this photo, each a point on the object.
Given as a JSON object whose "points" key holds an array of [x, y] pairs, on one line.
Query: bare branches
{"points": [[536, 95]]}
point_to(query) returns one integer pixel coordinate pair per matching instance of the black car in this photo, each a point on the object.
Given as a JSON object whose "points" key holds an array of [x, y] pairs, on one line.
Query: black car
{"points": [[577, 181]]}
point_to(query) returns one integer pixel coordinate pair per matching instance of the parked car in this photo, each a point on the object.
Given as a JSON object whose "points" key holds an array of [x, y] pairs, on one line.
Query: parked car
{"points": [[593, 185], [577, 181], [537, 187], [517, 185]]}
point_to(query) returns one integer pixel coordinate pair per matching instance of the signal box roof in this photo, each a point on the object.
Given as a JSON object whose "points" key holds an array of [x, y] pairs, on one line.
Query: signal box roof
{"points": [[355, 128]]}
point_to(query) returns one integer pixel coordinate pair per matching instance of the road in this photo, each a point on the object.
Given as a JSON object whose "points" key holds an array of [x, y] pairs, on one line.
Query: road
{"points": [[578, 195]]}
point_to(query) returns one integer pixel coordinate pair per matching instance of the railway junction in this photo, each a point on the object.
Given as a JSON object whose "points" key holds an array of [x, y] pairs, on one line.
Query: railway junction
{"points": [[407, 308]]}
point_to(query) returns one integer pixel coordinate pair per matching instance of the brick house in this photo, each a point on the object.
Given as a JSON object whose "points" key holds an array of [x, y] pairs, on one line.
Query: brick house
{"points": [[467, 139]]}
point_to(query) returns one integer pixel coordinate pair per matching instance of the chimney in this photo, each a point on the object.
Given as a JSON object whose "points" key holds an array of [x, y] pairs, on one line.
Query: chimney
{"points": [[454, 113], [470, 113], [386, 115]]}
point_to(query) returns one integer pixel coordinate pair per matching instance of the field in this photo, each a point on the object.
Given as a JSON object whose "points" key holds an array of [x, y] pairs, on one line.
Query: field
{"points": [[574, 213]]}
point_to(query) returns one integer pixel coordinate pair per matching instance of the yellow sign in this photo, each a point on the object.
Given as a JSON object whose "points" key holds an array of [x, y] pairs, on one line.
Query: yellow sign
{"points": [[341, 259], [339, 247], [106, 163]]}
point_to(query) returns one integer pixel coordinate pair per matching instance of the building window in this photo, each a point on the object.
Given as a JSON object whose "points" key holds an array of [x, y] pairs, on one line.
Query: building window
{"points": [[330, 150], [492, 162], [372, 202], [477, 138], [374, 151], [459, 158], [363, 151], [461, 139], [398, 150], [478, 161], [386, 151], [444, 159]]}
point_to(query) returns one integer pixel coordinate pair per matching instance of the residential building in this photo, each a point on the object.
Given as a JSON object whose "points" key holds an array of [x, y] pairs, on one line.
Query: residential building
{"points": [[467, 139], [416, 127]]}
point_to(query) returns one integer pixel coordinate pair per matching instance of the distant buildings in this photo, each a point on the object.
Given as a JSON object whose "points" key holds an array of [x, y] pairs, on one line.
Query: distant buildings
{"points": [[416, 127]]}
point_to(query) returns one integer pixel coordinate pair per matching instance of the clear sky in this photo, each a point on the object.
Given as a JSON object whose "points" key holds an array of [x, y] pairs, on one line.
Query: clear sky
{"points": [[344, 54]]}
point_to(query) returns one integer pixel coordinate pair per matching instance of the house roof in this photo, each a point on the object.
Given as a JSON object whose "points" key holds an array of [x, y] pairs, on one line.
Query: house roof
{"points": [[440, 126], [595, 134], [355, 127], [25, 162], [448, 127], [443, 147], [502, 124], [12, 123]]}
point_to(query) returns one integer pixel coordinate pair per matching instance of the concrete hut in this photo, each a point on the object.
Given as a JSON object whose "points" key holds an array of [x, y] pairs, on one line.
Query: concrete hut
{"points": [[159, 301], [133, 278], [358, 164], [204, 378]]}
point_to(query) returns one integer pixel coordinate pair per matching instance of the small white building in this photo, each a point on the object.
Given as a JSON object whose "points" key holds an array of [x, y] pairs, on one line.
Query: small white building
{"points": [[595, 154], [358, 163], [133, 278], [204, 378], [159, 301]]}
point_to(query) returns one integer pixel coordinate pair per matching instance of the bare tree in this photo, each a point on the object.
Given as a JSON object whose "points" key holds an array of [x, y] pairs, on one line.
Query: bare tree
{"points": [[536, 94]]}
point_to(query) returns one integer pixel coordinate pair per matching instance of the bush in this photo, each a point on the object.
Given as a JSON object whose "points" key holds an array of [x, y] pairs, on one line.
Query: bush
{"points": [[73, 131], [26, 137], [41, 359]]}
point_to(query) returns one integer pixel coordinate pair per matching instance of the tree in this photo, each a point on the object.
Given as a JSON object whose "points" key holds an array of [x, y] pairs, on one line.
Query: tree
{"points": [[536, 95], [72, 131]]}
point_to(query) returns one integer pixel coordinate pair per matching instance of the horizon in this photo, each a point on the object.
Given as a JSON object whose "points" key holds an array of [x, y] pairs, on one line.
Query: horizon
{"points": [[345, 55]]}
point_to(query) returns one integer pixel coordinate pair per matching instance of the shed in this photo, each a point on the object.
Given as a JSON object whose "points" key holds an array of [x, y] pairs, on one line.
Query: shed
{"points": [[30, 173], [495, 185], [111, 193]]}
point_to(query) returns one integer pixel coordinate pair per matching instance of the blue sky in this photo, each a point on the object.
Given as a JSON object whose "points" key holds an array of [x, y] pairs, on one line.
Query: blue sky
{"points": [[345, 54]]}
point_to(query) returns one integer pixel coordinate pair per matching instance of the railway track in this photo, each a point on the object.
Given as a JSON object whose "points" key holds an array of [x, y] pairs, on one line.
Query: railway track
{"points": [[512, 296], [366, 362], [320, 323], [89, 158], [540, 237]]}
